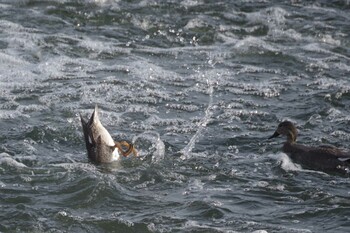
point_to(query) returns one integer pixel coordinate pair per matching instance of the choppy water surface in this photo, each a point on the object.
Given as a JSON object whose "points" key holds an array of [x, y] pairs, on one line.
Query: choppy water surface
{"points": [[198, 86]]}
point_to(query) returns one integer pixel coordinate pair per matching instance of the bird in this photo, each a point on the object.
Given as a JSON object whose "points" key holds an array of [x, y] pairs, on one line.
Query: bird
{"points": [[325, 158], [100, 146]]}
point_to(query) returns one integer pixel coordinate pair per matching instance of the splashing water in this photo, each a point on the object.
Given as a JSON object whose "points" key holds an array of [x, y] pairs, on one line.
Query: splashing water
{"points": [[187, 150], [150, 144]]}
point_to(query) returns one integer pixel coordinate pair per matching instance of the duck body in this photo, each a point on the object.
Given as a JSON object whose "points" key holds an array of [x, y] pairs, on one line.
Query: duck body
{"points": [[99, 143], [325, 158]]}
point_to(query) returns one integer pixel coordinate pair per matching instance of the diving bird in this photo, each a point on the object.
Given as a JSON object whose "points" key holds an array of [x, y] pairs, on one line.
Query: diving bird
{"points": [[325, 158], [100, 146]]}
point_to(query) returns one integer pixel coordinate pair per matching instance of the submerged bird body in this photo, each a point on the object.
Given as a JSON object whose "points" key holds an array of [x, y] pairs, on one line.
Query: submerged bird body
{"points": [[325, 158], [100, 145]]}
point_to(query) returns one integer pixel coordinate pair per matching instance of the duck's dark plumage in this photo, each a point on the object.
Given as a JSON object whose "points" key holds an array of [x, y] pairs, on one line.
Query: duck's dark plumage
{"points": [[90, 145], [325, 158], [100, 146], [99, 143]]}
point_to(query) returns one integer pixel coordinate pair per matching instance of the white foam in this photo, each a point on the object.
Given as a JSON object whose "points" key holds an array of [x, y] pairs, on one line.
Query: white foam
{"points": [[31, 108], [342, 66], [195, 23], [11, 114], [101, 47], [183, 107], [330, 40], [342, 135], [286, 162], [78, 166], [336, 115], [191, 3], [152, 72], [9, 161], [104, 2], [8, 61], [247, 44], [272, 16]]}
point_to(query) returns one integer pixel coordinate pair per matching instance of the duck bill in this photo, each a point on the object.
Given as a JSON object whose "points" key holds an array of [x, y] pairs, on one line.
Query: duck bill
{"points": [[274, 135]]}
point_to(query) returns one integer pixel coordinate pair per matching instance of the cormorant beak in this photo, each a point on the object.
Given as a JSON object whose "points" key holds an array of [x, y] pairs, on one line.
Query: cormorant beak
{"points": [[276, 134]]}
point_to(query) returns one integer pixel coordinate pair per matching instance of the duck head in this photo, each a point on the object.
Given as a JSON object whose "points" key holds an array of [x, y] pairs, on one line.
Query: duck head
{"points": [[288, 129]]}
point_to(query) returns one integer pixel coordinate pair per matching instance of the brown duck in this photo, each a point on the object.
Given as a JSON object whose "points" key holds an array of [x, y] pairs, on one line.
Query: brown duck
{"points": [[325, 158], [100, 146]]}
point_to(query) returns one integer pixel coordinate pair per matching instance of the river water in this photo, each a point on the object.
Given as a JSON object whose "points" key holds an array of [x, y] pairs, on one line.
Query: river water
{"points": [[198, 86]]}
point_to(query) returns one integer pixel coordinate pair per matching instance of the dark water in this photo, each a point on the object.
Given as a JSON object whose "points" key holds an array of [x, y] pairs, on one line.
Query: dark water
{"points": [[198, 86]]}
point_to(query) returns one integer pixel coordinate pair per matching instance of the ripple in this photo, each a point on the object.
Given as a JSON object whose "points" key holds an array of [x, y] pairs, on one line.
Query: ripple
{"points": [[197, 86], [6, 159], [253, 45]]}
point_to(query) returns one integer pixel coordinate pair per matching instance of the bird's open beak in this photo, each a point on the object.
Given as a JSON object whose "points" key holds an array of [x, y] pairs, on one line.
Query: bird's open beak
{"points": [[276, 134]]}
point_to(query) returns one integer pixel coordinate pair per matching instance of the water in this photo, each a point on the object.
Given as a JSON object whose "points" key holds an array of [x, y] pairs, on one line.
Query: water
{"points": [[198, 86]]}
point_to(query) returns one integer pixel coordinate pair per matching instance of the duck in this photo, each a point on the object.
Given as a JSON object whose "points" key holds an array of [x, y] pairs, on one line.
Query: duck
{"points": [[325, 158], [100, 146]]}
